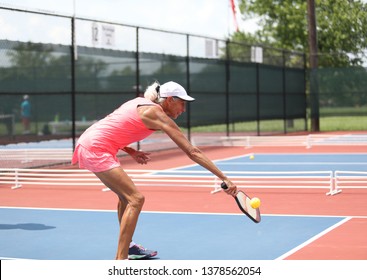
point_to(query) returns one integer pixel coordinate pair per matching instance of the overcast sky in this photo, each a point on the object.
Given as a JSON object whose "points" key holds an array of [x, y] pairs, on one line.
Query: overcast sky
{"points": [[211, 18]]}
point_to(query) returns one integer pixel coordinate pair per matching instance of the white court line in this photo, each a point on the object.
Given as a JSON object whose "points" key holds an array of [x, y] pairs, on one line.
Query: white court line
{"points": [[307, 153], [304, 244], [10, 259], [113, 211], [293, 163], [175, 212], [56, 209]]}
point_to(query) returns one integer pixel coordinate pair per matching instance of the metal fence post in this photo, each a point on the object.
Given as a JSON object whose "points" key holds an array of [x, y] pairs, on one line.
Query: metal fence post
{"points": [[188, 86], [73, 58], [228, 77]]}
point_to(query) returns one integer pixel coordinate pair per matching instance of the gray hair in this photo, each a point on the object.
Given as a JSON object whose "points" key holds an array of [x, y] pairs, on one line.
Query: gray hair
{"points": [[152, 93]]}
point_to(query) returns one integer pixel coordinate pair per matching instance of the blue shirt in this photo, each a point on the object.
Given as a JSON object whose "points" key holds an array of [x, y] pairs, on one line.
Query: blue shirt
{"points": [[26, 109]]}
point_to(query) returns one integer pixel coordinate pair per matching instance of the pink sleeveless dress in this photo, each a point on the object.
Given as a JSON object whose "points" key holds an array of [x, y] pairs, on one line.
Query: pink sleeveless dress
{"points": [[97, 147]]}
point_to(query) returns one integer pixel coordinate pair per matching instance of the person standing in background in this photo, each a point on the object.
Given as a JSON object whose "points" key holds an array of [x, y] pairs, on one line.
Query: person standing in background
{"points": [[25, 111]]}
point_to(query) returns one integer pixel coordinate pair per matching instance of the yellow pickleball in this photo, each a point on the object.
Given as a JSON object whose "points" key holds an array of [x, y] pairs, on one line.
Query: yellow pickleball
{"points": [[255, 202]]}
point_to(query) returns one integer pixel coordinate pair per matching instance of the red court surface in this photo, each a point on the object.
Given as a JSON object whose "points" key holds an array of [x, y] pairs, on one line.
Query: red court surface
{"points": [[346, 241]]}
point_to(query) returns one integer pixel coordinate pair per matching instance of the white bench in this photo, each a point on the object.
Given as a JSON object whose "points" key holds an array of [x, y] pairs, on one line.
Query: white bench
{"points": [[62, 127]]}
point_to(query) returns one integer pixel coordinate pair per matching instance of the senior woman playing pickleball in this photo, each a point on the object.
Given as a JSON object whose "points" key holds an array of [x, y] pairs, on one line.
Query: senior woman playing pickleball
{"points": [[133, 121]]}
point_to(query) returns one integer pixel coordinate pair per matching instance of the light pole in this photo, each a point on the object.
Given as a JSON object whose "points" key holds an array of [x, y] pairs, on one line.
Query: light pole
{"points": [[314, 89]]}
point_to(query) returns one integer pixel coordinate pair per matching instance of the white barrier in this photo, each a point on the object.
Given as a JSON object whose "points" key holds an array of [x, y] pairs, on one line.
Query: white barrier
{"points": [[350, 179], [27, 155], [307, 141], [16, 178], [65, 127]]}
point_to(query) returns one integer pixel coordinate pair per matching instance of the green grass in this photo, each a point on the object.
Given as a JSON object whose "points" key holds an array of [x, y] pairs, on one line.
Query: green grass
{"points": [[347, 123], [265, 126], [343, 111], [341, 123]]}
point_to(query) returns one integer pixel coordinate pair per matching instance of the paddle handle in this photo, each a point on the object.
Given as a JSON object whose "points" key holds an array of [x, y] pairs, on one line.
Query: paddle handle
{"points": [[224, 186]]}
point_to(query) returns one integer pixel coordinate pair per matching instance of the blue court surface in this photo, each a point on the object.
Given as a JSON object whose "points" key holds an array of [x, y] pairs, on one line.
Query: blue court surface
{"points": [[92, 235]]}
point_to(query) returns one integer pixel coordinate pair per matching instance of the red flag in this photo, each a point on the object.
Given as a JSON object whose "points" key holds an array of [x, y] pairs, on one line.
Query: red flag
{"points": [[233, 5]]}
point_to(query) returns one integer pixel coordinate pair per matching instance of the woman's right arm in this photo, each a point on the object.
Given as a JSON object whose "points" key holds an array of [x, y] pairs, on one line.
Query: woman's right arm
{"points": [[155, 118]]}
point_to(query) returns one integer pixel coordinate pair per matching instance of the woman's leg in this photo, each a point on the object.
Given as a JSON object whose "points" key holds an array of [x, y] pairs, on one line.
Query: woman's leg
{"points": [[121, 206], [130, 204]]}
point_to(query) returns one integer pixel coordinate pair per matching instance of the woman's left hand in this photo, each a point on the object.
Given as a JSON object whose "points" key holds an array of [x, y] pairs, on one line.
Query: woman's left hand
{"points": [[140, 157]]}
